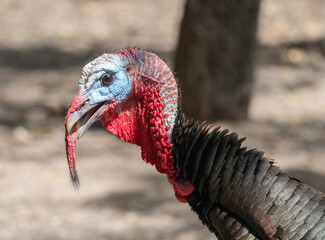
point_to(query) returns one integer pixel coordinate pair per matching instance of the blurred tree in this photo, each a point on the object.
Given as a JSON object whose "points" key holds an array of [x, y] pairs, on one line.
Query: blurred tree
{"points": [[214, 58]]}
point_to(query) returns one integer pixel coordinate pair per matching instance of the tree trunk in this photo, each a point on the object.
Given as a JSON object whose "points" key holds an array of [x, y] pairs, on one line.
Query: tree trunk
{"points": [[214, 59]]}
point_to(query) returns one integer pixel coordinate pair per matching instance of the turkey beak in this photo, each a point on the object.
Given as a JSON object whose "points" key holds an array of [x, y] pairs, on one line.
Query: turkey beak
{"points": [[91, 112], [74, 117]]}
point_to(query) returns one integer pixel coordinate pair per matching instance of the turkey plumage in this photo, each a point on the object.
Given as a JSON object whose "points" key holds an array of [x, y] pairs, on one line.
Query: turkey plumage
{"points": [[237, 193]]}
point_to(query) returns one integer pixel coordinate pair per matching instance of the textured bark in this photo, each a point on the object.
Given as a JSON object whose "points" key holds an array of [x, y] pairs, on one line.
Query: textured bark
{"points": [[214, 59], [240, 194]]}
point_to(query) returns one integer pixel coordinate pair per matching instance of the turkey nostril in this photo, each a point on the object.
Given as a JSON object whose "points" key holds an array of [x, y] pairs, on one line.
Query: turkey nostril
{"points": [[83, 104]]}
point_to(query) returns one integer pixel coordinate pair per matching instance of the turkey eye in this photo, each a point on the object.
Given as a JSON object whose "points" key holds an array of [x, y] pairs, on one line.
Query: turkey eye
{"points": [[106, 79]]}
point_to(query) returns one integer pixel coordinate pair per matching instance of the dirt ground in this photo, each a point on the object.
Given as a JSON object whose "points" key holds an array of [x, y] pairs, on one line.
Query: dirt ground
{"points": [[43, 46]]}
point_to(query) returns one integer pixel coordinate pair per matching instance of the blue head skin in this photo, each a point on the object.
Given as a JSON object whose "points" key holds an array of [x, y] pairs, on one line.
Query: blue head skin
{"points": [[117, 90], [97, 92], [112, 66]]}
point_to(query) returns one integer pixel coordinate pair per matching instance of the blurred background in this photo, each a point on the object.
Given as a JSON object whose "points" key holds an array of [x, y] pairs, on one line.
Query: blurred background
{"points": [[43, 47]]}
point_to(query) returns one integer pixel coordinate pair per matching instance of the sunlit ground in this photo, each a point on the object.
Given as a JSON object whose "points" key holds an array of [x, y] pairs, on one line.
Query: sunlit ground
{"points": [[43, 46]]}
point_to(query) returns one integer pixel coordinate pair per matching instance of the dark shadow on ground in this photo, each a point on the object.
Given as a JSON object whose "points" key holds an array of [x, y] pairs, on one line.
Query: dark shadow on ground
{"points": [[49, 58], [44, 58], [316, 45], [276, 54], [297, 133], [143, 200], [17, 114], [138, 201]]}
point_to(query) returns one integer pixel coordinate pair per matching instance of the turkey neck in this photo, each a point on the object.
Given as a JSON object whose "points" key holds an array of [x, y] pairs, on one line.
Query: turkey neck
{"points": [[153, 113], [240, 194]]}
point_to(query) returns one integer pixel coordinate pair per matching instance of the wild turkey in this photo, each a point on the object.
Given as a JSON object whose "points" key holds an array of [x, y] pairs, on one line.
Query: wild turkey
{"points": [[237, 193]]}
